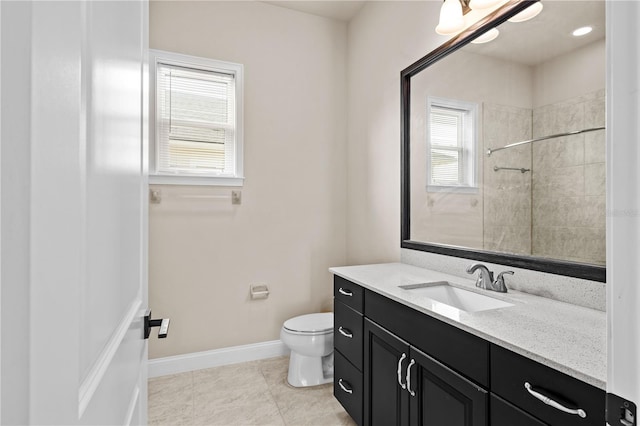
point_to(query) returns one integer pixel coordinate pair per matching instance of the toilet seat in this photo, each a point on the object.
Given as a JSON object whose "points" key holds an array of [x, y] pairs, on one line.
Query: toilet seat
{"points": [[310, 324]]}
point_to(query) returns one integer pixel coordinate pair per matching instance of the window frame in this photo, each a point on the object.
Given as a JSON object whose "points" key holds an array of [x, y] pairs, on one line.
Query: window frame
{"points": [[468, 148], [204, 64]]}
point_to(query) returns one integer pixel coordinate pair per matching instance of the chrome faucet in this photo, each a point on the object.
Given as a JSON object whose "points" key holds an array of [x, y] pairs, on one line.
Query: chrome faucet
{"points": [[485, 278]]}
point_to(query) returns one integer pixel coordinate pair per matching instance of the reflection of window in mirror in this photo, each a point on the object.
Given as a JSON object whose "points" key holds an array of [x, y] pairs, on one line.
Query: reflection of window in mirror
{"points": [[451, 145]]}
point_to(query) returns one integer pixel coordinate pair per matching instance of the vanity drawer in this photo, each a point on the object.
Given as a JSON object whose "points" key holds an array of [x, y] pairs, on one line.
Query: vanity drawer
{"points": [[349, 293], [462, 351], [510, 372], [505, 414], [347, 386], [347, 333]]}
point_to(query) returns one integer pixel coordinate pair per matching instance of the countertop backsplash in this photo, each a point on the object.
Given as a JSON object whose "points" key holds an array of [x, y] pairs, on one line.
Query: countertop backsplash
{"points": [[589, 294]]}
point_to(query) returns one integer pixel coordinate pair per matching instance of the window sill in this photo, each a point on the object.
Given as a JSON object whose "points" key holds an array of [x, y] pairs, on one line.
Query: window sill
{"points": [[196, 180], [453, 189]]}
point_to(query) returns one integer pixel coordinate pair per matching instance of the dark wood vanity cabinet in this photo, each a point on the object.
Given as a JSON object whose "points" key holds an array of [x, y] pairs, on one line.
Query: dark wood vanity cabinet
{"points": [[403, 367], [348, 345], [506, 414], [511, 372], [405, 386]]}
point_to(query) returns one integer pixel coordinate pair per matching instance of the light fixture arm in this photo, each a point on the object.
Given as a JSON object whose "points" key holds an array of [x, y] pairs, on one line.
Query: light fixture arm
{"points": [[465, 6]]}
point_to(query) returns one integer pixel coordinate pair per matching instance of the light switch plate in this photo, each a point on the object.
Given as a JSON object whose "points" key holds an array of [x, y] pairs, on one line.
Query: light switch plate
{"points": [[236, 197]]}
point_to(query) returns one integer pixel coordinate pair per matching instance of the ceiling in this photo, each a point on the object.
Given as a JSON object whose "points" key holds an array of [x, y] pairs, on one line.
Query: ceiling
{"points": [[548, 35], [342, 10]]}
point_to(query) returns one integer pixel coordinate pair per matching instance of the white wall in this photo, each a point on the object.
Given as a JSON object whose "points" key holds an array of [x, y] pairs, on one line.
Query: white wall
{"points": [[15, 192], [291, 225]]}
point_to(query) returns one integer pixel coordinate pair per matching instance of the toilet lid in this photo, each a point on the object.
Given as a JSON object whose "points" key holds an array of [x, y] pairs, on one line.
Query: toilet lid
{"points": [[311, 323]]}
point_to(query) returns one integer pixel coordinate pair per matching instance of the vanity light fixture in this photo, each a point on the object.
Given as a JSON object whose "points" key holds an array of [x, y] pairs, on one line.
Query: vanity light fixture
{"points": [[451, 19], [487, 37], [581, 31], [529, 13], [483, 4], [452, 16]]}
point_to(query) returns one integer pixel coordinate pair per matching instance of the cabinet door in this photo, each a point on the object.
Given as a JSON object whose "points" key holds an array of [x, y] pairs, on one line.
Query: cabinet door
{"points": [[385, 401], [441, 397]]}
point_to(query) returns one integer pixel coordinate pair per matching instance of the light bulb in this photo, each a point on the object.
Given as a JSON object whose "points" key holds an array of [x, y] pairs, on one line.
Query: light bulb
{"points": [[529, 13], [451, 20], [487, 37]]}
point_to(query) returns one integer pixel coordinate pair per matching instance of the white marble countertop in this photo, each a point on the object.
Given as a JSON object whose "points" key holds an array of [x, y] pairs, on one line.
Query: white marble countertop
{"points": [[566, 337]]}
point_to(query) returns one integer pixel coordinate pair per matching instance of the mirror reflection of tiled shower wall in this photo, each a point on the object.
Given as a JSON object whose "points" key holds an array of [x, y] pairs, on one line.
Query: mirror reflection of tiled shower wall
{"points": [[507, 193], [568, 181], [557, 209]]}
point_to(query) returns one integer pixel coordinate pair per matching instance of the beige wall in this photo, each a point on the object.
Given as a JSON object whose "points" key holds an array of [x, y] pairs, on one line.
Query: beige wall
{"points": [[384, 38], [291, 225], [569, 76]]}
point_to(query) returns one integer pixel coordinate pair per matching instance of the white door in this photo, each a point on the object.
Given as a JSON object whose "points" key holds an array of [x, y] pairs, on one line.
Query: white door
{"points": [[623, 212], [87, 361]]}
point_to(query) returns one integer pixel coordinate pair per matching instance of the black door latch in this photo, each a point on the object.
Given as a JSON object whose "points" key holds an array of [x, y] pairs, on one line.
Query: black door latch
{"points": [[620, 412], [163, 323]]}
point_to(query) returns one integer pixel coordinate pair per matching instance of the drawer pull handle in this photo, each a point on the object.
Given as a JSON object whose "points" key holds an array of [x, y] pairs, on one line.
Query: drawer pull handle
{"points": [[412, 393], [346, 388], [345, 332], [402, 385], [345, 292], [580, 412]]}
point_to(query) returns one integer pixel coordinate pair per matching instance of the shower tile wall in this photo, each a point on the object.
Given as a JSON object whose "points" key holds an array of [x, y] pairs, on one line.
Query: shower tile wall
{"points": [[507, 193], [569, 181]]}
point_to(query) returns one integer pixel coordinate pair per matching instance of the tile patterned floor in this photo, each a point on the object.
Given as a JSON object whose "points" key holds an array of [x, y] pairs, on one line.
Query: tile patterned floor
{"points": [[251, 393]]}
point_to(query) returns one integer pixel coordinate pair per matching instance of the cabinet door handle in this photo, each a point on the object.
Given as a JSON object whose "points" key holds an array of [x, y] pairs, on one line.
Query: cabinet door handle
{"points": [[402, 385], [345, 292], [579, 411], [345, 332], [412, 393], [347, 387]]}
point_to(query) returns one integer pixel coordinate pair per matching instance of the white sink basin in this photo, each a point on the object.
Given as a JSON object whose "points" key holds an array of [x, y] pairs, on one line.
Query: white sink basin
{"points": [[464, 300]]}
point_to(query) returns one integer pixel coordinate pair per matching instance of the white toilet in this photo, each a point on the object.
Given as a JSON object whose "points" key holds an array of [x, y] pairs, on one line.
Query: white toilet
{"points": [[310, 338]]}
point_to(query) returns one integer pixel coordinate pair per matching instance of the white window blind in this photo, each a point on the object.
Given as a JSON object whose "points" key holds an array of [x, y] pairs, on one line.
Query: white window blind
{"points": [[446, 146], [451, 144], [196, 121]]}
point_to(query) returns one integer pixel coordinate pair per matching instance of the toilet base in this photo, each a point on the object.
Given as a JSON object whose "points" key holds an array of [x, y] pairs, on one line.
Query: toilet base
{"points": [[309, 371]]}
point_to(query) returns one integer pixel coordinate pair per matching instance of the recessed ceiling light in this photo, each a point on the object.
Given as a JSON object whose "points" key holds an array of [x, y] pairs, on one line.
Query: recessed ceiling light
{"points": [[581, 31]]}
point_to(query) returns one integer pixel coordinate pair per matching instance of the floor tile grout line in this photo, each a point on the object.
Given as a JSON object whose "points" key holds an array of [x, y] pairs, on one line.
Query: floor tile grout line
{"points": [[269, 388], [193, 398]]}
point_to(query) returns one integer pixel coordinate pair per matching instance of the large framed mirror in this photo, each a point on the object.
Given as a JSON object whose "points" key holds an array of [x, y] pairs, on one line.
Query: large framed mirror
{"points": [[503, 142]]}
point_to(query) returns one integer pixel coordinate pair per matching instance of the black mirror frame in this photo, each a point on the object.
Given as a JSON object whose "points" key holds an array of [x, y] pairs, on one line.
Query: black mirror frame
{"points": [[571, 269]]}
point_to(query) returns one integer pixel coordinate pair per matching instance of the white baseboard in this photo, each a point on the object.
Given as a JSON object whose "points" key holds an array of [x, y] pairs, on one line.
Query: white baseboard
{"points": [[207, 359]]}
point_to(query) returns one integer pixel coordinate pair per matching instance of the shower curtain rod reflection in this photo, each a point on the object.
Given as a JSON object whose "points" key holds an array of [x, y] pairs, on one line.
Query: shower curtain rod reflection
{"points": [[544, 138]]}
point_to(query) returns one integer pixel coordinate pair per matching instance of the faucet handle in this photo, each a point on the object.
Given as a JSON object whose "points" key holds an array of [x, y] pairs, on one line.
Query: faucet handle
{"points": [[499, 283], [485, 278]]}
